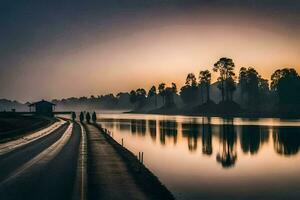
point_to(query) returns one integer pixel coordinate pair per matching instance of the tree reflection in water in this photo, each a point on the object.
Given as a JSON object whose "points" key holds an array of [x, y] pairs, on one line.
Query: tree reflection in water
{"points": [[252, 137], [286, 140], [207, 148], [191, 131], [228, 152], [138, 126], [152, 129], [167, 128]]}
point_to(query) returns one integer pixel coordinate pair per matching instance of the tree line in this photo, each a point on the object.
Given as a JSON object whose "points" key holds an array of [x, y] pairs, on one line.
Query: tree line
{"points": [[254, 90]]}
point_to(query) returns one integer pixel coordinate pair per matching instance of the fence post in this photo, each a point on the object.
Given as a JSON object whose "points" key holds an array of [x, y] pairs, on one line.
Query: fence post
{"points": [[139, 156]]}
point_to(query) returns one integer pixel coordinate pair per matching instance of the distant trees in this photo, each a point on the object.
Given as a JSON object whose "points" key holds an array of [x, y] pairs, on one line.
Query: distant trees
{"points": [[204, 82], [138, 97], [225, 67], [255, 92]]}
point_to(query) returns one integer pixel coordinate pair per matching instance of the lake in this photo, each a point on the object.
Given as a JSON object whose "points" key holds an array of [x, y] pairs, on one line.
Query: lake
{"points": [[215, 158]]}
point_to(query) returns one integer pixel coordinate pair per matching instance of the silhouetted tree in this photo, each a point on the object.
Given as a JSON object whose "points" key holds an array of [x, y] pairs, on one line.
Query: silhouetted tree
{"points": [[286, 84], [88, 117], [73, 116], [161, 91], [242, 83], [138, 97], [189, 92], [204, 80], [141, 97], [230, 88], [81, 116], [169, 95], [152, 93], [94, 117], [191, 80], [225, 67], [132, 97]]}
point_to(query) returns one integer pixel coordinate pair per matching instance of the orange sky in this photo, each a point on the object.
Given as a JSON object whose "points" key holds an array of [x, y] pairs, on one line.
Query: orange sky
{"points": [[156, 49]]}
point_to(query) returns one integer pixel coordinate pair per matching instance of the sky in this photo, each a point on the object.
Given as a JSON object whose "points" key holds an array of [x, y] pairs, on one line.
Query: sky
{"points": [[58, 49]]}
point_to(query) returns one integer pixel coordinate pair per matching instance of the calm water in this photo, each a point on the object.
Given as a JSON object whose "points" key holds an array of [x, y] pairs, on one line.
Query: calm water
{"points": [[215, 158]]}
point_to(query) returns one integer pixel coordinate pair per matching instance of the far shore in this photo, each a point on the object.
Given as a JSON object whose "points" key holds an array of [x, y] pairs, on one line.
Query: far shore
{"points": [[232, 115]]}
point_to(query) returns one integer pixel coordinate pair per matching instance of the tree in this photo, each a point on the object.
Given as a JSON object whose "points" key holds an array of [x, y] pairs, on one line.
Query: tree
{"points": [[152, 93], [230, 88], [88, 117], [132, 96], [141, 97], [73, 116], [191, 80], [253, 87], [205, 80], [94, 117], [81, 116], [189, 92], [169, 95], [286, 84], [161, 91], [138, 97], [225, 67], [243, 82]]}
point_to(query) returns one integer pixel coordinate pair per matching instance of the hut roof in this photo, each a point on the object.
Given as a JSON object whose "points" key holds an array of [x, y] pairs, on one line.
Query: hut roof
{"points": [[41, 102]]}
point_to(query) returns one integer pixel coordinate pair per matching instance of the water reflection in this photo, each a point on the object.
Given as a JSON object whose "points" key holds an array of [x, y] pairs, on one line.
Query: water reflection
{"points": [[168, 128], [209, 159], [138, 126], [252, 137], [191, 132], [227, 154], [207, 148], [286, 140], [152, 129]]}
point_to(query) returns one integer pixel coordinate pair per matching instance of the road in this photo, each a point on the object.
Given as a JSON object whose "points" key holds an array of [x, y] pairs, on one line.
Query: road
{"points": [[45, 168], [65, 162], [107, 173]]}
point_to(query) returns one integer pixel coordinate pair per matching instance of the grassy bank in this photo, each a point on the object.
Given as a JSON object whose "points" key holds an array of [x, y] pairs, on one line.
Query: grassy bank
{"points": [[148, 182], [13, 126]]}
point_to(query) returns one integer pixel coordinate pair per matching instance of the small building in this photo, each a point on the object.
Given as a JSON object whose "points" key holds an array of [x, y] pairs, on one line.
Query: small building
{"points": [[43, 107]]}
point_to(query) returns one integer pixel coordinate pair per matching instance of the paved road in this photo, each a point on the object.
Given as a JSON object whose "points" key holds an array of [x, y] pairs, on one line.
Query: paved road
{"points": [[68, 163], [108, 177], [43, 169]]}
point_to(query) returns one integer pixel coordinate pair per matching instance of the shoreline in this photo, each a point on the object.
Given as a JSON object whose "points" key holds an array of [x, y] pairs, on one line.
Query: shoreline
{"points": [[241, 115]]}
